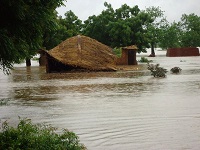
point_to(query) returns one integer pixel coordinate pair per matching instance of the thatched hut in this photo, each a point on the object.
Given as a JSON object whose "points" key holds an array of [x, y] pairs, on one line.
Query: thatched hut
{"points": [[182, 52], [128, 56], [80, 53]]}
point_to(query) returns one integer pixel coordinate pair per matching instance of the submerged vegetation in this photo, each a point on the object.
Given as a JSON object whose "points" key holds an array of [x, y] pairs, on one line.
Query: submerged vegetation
{"points": [[156, 70], [3, 101], [145, 60], [37, 137], [176, 70]]}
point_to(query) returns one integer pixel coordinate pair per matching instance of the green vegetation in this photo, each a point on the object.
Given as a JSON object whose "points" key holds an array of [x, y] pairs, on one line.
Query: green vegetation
{"points": [[176, 70], [37, 137], [154, 28], [22, 28], [32, 25], [156, 70], [170, 36], [145, 60], [66, 27], [117, 51], [121, 27], [3, 101], [185, 33]]}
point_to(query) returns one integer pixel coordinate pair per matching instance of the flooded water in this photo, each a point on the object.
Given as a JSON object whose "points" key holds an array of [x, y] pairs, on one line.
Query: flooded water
{"points": [[122, 110]]}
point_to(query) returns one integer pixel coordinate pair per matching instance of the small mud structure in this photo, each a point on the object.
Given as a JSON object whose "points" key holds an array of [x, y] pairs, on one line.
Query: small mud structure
{"points": [[128, 56]]}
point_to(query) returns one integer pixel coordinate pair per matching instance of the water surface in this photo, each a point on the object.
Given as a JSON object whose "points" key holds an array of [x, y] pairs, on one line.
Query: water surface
{"points": [[123, 110]]}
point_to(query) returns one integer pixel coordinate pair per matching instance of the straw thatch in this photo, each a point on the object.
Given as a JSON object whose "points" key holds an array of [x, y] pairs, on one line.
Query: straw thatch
{"points": [[81, 52], [131, 47]]}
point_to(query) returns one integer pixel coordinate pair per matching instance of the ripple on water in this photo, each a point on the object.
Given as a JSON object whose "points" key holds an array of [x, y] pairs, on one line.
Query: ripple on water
{"points": [[115, 110]]}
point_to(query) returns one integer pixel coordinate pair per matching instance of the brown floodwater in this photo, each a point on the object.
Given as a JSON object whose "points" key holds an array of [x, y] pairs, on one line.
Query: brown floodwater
{"points": [[122, 110]]}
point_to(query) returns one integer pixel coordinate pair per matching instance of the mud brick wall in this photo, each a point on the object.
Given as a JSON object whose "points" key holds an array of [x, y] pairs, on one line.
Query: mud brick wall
{"points": [[124, 59], [180, 52], [42, 60]]}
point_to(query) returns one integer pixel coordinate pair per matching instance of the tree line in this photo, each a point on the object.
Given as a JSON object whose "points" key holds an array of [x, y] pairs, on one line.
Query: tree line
{"points": [[31, 25]]}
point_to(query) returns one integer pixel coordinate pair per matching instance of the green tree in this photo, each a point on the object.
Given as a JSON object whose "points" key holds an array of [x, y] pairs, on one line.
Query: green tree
{"points": [[97, 26], [190, 25], [21, 28], [139, 34], [127, 26], [120, 33], [52, 37], [72, 25], [121, 27], [170, 35], [185, 33], [153, 26], [66, 27]]}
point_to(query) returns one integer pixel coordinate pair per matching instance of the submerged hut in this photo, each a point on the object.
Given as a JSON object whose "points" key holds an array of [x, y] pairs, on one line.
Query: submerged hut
{"points": [[181, 52], [128, 56], [80, 53]]}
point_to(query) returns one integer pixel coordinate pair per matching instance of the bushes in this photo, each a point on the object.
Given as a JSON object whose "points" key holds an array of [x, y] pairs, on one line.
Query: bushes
{"points": [[156, 70], [37, 137], [176, 70], [144, 60]]}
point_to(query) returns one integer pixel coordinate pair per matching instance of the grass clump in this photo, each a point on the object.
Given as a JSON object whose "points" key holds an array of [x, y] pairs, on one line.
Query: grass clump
{"points": [[156, 70], [27, 136], [145, 60]]}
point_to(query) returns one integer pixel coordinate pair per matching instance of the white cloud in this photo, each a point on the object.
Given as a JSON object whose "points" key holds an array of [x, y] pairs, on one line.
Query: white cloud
{"points": [[173, 8]]}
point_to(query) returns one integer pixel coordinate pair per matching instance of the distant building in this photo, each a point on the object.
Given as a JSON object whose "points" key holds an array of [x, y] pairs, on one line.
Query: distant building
{"points": [[181, 52]]}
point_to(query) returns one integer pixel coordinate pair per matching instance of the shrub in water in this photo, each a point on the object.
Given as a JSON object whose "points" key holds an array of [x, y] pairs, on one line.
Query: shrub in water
{"points": [[37, 137], [176, 70], [3, 102], [157, 71], [144, 60]]}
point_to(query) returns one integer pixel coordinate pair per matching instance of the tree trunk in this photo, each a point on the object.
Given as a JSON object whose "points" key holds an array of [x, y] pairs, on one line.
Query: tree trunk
{"points": [[28, 62], [152, 50]]}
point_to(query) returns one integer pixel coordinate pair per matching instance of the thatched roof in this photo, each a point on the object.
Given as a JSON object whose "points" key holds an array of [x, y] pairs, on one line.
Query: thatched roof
{"points": [[84, 52], [132, 47]]}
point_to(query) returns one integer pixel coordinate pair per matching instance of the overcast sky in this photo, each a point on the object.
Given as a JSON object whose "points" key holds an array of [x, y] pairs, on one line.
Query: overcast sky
{"points": [[173, 9]]}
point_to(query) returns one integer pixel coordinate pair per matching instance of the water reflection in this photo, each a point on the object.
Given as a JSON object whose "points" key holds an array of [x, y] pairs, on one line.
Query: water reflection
{"points": [[29, 87], [111, 110]]}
